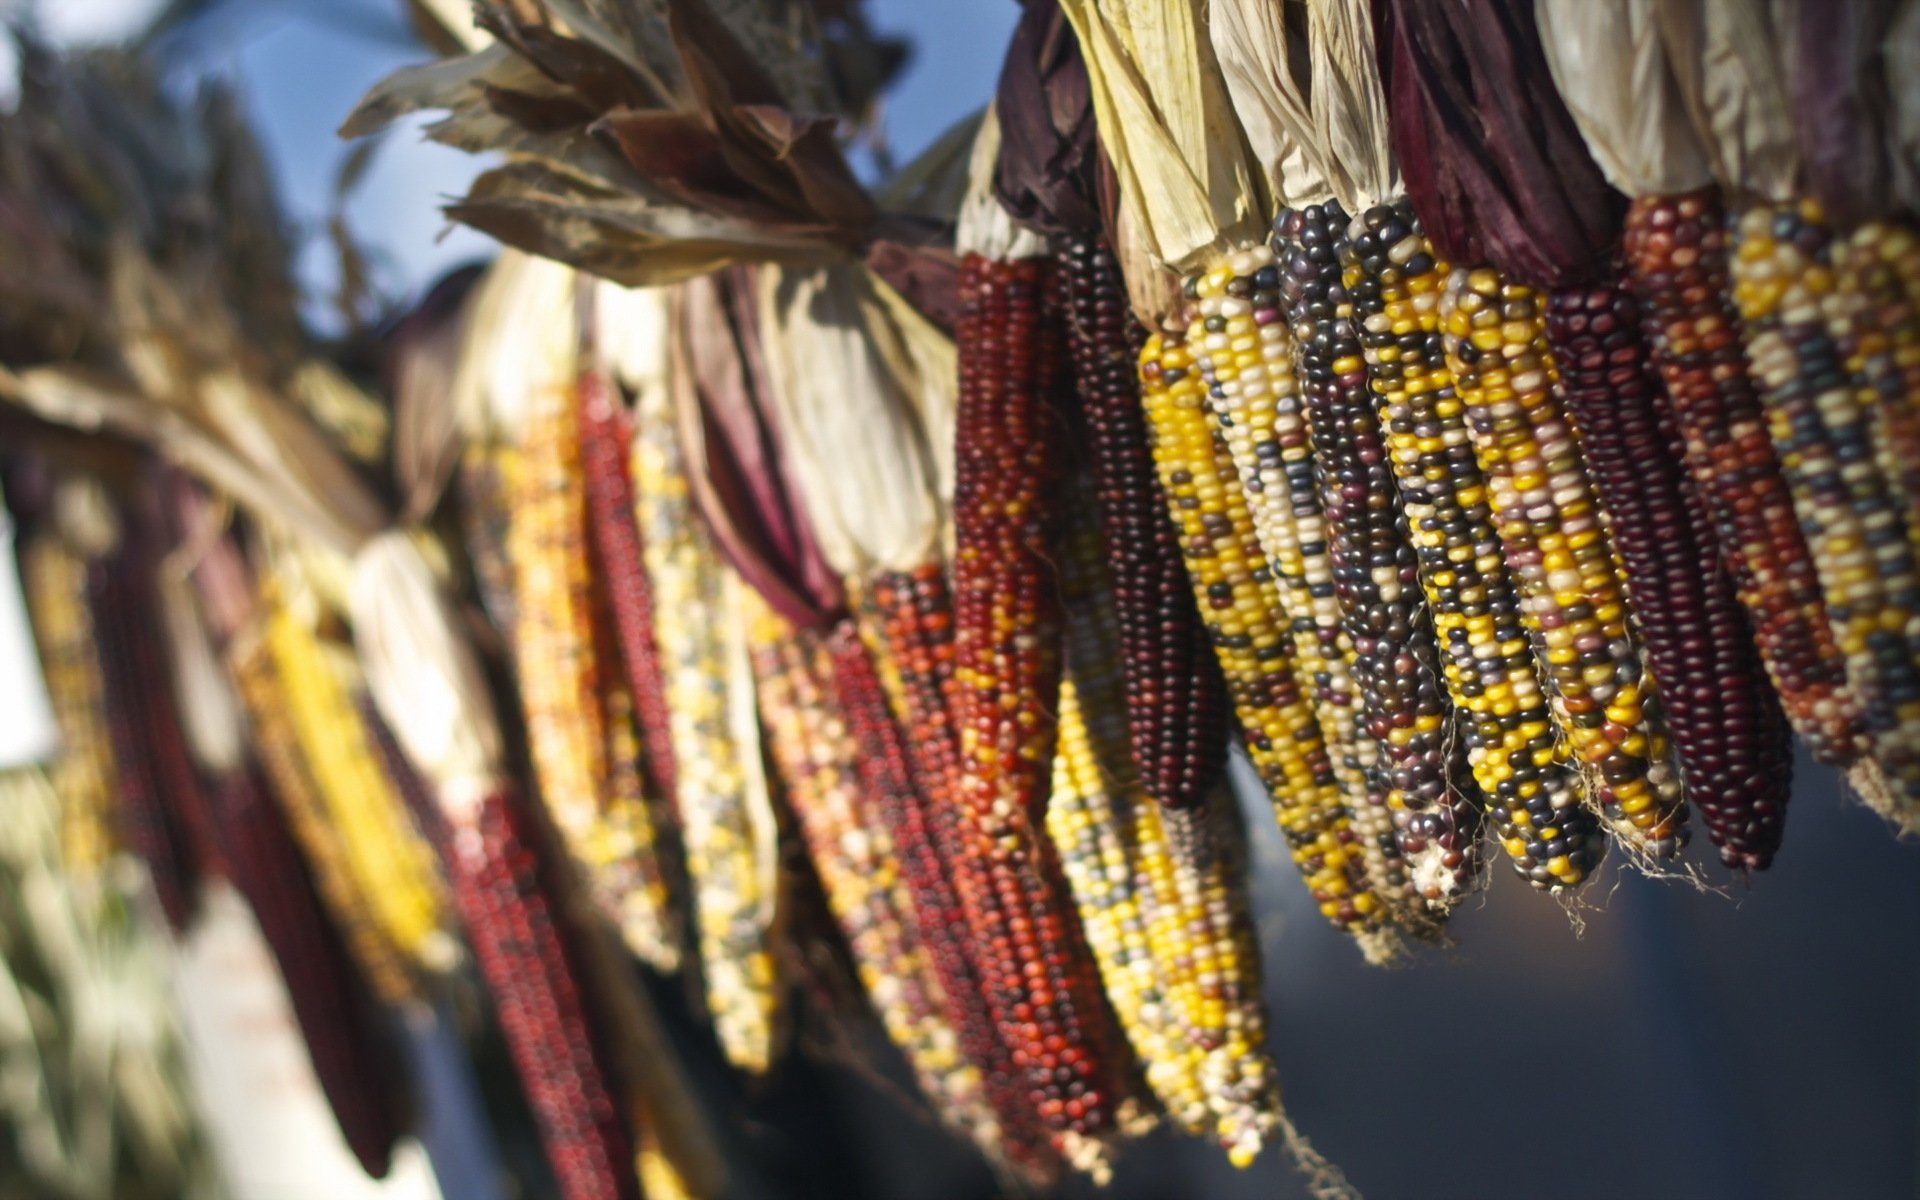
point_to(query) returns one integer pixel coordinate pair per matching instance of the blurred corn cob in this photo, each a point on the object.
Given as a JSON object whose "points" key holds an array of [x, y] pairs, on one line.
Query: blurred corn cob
{"points": [[1534, 799], [1848, 509], [1403, 704], [1570, 590], [1040, 982], [1176, 707], [1243, 349], [815, 751], [83, 776], [1726, 721], [1677, 258], [1238, 601], [721, 794], [609, 831], [1874, 316]]}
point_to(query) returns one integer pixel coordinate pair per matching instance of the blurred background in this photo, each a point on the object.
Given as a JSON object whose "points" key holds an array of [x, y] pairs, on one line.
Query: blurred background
{"points": [[1747, 1043]]}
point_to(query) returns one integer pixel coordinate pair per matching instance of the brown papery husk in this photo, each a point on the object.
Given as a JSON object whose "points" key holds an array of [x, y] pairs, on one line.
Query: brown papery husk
{"points": [[1610, 65], [1725, 55], [1495, 167], [1168, 126], [1902, 51], [1842, 103], [1048, 148]]}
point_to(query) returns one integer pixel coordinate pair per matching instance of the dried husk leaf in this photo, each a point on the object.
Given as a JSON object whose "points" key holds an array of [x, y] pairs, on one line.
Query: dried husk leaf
{"points": [[1048, 143], [1270, 95], [933, 184], [925, 366], [1902, 50], [1168, 127], [1611, 67], [1725, 57], [423, 674], [859, 452], [521, 334], [1842, 103], [986, 228], [423, 361]]}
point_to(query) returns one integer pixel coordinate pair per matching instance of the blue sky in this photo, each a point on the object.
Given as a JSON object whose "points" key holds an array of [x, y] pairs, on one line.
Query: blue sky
{"points": [[302, 63]]}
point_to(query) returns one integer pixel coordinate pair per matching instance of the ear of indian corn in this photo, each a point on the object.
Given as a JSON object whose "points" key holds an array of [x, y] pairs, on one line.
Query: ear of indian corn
{"points": [[1176, 705], [1243, 349], [1234, 589], [559, 666], [1726, 721], [1571, 595], [726, 826], [1874, 315], [55, 580], [1677, 260], [919, 832], [814, 751], [1849, 510], [1040, 982], [1534, 799], [339, 1020], [390, 865], [606, 439], [1404, 705]]}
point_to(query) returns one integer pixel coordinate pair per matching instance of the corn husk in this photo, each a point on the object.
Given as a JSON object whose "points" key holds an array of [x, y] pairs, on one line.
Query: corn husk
{"points": [[986, 227], [1842, 96], [1270, 94], [1168, 126], [30, 735], [1611, 67], [1725, 55], [1047, 172], [1902, 50]]}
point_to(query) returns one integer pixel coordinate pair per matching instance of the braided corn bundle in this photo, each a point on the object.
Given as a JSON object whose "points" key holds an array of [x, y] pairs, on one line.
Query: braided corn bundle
{"points": [[1244, 352], [1572, 598], [561, 672], [1676, 249], [725, 817], [55, 580], [814, 753], [1238, 601], [1849, 510], [1534, 799], [1727, 725], [1375, 568], [389, 864]]}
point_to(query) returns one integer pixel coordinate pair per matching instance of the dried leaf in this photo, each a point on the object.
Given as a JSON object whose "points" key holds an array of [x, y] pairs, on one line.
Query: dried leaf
{"points": [[1842, 104], [986, 227], [1725, 57], [1048, 148]]}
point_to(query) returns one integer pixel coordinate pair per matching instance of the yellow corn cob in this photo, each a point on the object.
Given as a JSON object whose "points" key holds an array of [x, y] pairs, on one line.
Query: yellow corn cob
{"points": [[1254, 400], [55, 579], [608, 827], [724, 811], [813, 752], [390, 863], [1573, 600], [1239, 603], [275, 739]]}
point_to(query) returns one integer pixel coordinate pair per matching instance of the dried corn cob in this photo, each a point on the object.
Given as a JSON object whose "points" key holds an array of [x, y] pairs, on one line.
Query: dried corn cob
{"points": [[508, 905], [1375, 570], [725, 820], [388, 863], [1244, 352], [918, 832], [605, 441], [1176, 706], [559, 669], [1162, 911], [1874, 316], [1849, 511], [1238, 601], [815, 752], [55, 580], [1727, 725], [1041, 985], [1571, 595], [342, 1026], [1676, 250], [1393, 283], [274, 736]]}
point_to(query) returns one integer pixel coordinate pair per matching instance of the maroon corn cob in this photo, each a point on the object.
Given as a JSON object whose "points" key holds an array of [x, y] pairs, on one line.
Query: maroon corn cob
{"points": [[161, 808], [339, 1018], [1040, 985], [1676, 249], [508, 904], [887, 785], [605, 452], [1725, 718], [1175, 702]]}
